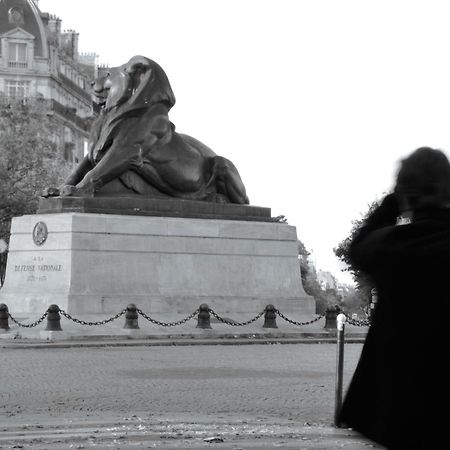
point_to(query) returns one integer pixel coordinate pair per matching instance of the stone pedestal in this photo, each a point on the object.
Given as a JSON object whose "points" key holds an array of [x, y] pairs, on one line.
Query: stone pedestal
{"points": [[89, 263]]}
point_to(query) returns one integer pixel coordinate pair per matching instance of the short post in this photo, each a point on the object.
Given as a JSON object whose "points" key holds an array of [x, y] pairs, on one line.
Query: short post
{"points": [[131, 318], [4, 317], [270, 317], [330, 316], [53, 318], [203, 320], [373, 302], [340, 324]]}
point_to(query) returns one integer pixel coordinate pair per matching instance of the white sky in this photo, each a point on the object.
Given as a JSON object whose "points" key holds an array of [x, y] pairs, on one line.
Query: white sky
{"points": [[314, 101]]}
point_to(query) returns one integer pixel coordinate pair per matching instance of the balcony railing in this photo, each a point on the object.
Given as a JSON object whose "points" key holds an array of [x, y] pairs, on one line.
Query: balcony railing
{"points": [[65, 112], [18, 64], [74, 86], [69, 114]]}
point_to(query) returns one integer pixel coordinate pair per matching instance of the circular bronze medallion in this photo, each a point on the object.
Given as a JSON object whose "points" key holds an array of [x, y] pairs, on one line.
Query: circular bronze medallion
{"points": [[40, 233]]}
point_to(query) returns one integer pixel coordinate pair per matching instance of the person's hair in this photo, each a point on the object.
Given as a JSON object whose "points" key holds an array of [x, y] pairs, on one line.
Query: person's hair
{"points": [[424, 178]]}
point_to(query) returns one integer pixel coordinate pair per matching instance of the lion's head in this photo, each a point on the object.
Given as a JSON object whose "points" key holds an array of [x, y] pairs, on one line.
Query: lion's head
{"points": [[139, 83]]}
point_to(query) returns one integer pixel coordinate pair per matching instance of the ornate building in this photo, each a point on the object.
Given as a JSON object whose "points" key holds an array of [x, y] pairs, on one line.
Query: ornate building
{"points": [[38, 60]]}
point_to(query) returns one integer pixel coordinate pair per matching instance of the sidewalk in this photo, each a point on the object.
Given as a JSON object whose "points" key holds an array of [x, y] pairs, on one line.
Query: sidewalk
{"points": [[174, 433]]}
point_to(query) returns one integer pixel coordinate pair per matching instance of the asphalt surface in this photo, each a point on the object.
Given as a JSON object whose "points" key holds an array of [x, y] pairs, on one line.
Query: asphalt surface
{"points": [[178, 396]]}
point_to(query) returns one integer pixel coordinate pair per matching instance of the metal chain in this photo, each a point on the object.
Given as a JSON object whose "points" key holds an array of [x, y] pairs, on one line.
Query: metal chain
{"points": [[358, 323], [100, 322], [30, 325], [235, 324], [167, 324], [277, 311]]}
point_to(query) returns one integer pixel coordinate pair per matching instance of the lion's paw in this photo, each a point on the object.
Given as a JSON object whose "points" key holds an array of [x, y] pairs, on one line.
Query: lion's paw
{"points": [[67, 190], [50, 192]]}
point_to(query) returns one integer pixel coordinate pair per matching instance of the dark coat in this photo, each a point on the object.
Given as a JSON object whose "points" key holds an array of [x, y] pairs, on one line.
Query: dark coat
{"points": [[402, 379]]}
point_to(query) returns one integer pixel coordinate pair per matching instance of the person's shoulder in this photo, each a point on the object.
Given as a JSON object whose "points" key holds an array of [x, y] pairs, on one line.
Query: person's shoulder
{"points": [[422, 237]]}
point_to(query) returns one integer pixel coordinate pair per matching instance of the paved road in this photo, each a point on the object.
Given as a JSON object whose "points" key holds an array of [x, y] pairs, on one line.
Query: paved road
{"points": [[173, 396]]}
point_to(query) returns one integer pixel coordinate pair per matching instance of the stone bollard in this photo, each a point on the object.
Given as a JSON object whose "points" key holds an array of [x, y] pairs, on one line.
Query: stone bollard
{"points": [[270, 317], [4, 317], [53, 318], [131, 318], [331, 314], [204, 317]]}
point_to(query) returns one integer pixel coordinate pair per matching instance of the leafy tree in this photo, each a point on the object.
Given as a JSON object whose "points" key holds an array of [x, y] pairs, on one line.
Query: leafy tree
{"points": [[323, 297], [303, 257], [364, 284], [356, 301], [29, 158]]}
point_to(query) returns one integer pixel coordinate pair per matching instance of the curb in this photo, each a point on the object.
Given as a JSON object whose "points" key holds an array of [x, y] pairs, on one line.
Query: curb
{"points": [[152, 341]]}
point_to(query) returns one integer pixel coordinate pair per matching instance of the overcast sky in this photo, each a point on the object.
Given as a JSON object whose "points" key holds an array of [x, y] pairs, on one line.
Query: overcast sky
{"points": [[314, 101]]}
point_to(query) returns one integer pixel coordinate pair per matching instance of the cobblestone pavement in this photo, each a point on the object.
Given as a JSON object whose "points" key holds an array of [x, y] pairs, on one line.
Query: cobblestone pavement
{"points": [[248, 396]]}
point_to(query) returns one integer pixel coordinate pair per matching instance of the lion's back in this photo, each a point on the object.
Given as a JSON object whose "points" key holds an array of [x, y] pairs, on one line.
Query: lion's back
{"points": [[203, 149]]}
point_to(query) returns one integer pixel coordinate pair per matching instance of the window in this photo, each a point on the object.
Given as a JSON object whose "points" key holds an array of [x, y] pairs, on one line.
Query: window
{"points": [[17, 89], [68, 151], [15, 16], [85, 147], [17, 55]]}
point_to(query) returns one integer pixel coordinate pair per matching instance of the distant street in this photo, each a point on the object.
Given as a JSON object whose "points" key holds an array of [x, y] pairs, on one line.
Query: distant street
{"points": [[236, 391]]}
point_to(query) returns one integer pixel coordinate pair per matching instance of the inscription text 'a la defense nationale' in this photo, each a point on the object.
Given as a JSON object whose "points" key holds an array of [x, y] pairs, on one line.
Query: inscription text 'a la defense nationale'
{"points": [[38, 268]]}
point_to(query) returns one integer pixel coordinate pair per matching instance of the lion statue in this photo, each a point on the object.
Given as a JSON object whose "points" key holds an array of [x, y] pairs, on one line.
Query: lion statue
{"points": [[134, 148]]}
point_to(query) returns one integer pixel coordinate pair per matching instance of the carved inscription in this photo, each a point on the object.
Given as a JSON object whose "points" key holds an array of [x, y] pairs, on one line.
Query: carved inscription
{"points": [[37, 269]]}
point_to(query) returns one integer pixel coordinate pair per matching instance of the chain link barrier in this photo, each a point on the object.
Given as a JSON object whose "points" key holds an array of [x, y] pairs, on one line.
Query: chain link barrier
{"points": [[350, 320], [234, 323], [29, 325], [91, 324], [167, 324], [358, 322], [300, 324]]}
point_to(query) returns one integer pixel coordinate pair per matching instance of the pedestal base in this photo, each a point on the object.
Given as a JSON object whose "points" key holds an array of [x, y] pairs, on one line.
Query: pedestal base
{"points": [[99, 263]]}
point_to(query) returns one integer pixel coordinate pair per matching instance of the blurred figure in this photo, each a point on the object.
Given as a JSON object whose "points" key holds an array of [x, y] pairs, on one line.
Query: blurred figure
{"points": [[399, 393]]}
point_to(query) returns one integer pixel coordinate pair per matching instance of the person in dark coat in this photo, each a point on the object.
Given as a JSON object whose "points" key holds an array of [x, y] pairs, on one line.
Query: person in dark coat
{"points": [[399, 393]]}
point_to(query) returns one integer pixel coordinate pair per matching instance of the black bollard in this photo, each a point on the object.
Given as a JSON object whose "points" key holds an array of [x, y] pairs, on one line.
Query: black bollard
{"points": [[331, 314], [373, 302], [203, 317], [53, 318], [270, 317], [131, 318], [340, 325], [4, 317]]}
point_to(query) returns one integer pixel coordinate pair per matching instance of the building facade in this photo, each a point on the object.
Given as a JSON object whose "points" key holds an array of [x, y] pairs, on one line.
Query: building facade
{"points": [[40, 61]]}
